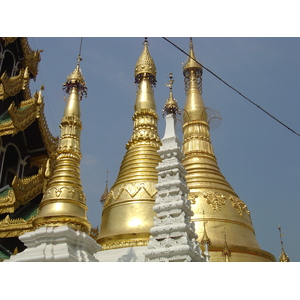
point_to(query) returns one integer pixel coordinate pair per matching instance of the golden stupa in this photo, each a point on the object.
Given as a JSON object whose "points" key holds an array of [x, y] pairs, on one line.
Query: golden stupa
{"points": [[227, 220], [64, 202], [127, 214]]}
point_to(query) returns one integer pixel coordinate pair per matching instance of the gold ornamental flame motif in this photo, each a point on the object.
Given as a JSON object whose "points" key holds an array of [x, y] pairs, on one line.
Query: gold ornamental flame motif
{"points": [[127, 212], [209, 190], [63, 202]]}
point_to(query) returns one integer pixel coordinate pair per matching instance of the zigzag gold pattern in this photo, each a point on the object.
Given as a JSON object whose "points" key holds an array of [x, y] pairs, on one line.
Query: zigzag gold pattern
{"points": [[132, 189]]}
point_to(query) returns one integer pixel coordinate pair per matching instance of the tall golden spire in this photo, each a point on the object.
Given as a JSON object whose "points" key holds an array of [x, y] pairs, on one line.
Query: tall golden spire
{"points": [[283, 256], [63, 202], [209, 189], [127, 212]]}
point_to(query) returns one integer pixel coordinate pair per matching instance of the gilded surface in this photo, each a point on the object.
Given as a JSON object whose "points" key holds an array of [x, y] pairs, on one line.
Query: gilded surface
{"points": [[125, 244], [15, 227], [7, 201], [11, 86], [127, 214], [18, 119], [22, 191], [209, 190], [145, 63], [27, 188], [63, 202], [8, 40], [31, 57]]}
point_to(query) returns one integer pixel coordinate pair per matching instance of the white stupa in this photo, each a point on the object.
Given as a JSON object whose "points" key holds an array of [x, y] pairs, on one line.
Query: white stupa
{"points": [[173, 234]]}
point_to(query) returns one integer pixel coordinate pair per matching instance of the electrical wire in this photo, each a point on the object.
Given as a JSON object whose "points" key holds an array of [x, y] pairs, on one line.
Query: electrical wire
{"points": [[234, 89]]}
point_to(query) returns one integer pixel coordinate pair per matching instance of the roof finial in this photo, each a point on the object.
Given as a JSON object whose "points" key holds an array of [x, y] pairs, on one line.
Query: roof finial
{"points": [[205, 238], [79, 58], [191, 43], [283, 256], [226, 251], [105, 193], [75, 79], [145, 66], [171, 106], [192, 62]]}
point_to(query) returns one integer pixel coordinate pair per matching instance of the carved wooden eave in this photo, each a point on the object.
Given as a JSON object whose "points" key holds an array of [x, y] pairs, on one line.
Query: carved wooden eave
{"points": [[31, 57], [11, 86], [22, 191], [7, 201], [8, 40], [18, 119], [15, 227], [51, 142], [27, 188]]}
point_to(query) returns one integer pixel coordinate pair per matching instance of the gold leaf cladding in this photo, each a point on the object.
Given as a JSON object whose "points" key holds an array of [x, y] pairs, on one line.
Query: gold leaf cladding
{"points": [[14, 227], [11, 86], [145, 128], [135, 187], [192, 197], [109, 198], [239, 205], [216, 200], [125, 244]]}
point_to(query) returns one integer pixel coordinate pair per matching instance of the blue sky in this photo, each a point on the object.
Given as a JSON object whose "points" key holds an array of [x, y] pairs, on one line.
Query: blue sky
{"points": [[258, 156]]}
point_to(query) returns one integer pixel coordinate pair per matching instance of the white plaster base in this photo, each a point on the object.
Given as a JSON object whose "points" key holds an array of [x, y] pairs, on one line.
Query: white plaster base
{"points": [[131, 254], [57, 244]]}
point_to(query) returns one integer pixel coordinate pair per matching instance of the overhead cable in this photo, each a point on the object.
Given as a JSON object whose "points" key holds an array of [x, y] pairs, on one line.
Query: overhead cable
{"points": [[234, 89]]}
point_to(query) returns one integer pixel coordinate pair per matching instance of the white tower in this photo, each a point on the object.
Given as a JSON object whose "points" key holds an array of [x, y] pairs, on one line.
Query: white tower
{"points": [[173, 234]]}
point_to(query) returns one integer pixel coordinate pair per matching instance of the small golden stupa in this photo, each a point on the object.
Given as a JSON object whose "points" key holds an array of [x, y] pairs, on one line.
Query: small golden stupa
{"points": [[64, 202]]}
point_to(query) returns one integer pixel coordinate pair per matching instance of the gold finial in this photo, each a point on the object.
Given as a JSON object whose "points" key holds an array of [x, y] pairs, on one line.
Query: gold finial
{"points": [[145, 65], [105, 194], [283, 256], [205, 238], [191, 62], [226, 251], [171, 106], [75, 79]]}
